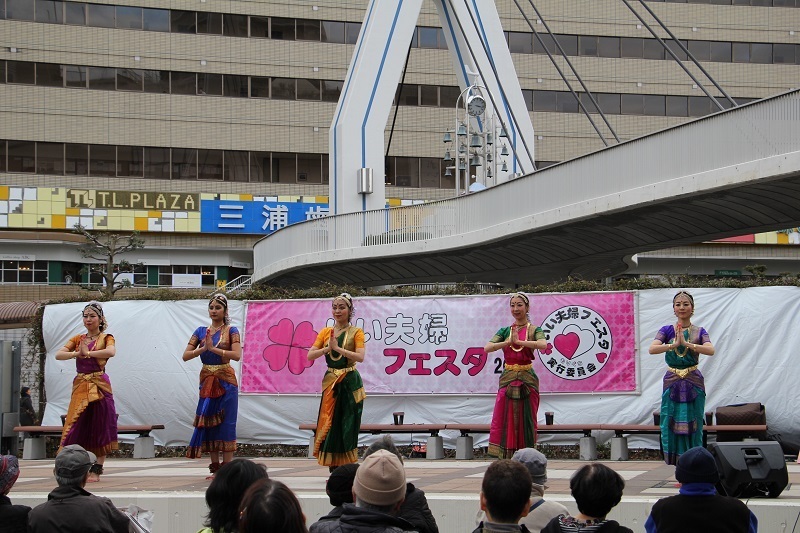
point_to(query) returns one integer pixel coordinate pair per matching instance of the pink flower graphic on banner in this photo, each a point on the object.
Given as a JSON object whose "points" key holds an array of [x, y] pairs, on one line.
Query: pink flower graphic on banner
{"points": [[290, 346], [548, 350]]}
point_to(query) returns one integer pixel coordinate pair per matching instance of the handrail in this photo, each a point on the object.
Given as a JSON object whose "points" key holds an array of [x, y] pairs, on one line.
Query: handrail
{"points": [[635, 170]]}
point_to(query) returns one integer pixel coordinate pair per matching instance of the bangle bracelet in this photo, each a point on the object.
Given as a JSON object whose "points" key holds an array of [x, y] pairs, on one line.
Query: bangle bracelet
{"points": [[223, 353]]}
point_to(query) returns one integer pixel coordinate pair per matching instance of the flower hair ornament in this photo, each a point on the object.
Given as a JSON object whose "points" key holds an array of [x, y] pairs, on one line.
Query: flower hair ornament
{"points": [[522, 296]]}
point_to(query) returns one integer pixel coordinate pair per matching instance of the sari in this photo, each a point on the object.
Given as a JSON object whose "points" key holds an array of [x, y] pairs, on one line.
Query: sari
{"points": [[339, 419], [217, 409], [91, 419], [683, 397], [517, 403]]}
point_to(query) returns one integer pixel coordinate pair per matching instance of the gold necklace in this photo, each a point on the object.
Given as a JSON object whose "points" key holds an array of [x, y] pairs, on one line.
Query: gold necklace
{"points": [[685, 348], [526, 326]]}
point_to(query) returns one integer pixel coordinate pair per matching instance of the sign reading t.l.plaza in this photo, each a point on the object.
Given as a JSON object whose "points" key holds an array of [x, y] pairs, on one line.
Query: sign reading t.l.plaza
{"points": [[95, 199]]}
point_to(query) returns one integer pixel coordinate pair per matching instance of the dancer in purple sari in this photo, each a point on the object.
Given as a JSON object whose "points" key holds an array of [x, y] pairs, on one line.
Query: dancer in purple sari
{"points": [[683, 397], [215, 418], [91, 418]]}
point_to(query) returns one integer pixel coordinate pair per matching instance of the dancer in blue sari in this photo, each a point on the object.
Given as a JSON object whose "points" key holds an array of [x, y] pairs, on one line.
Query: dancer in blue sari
{"points": [[215, 419], [683, 399]]}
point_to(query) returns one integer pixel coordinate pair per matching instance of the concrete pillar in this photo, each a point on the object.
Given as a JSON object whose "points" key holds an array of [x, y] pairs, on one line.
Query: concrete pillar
{"points": [[311, 447], [144, 448], [619, 448], [464, 447], [34, 448], [588, 449], [435, 448]]}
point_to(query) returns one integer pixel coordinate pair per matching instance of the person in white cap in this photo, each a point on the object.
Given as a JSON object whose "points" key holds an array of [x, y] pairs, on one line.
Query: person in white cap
{"points": [[379, 490], [69, 507]]}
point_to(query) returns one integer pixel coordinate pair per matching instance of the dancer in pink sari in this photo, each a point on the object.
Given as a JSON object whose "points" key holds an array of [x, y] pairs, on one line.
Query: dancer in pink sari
{"points": [[91, 417], [517, 403]]}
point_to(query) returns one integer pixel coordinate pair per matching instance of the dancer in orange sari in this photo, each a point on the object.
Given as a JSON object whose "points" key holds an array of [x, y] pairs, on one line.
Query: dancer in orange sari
{"points": [[517, 403], [91, 417], [339, 420]]}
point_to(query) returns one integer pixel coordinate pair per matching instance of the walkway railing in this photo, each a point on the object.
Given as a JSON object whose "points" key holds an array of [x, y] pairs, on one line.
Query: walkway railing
{"points": [[636, 169]]}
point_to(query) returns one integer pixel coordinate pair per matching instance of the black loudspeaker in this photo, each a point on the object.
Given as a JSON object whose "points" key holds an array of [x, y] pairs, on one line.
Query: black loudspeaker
{"points": [[750, 469]]}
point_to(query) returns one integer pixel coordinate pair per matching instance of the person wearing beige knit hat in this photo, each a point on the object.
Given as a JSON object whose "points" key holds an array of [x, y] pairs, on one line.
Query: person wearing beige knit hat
{"points": [[379, 489]]}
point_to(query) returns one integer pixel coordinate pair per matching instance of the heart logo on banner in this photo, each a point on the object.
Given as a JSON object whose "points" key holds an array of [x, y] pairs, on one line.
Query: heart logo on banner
{"points": [[567, 344], [601, 357], [574, 341]]}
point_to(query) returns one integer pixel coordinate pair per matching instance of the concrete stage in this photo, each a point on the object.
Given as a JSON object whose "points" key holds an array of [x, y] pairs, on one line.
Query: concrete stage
{"points": [[174, 489]]}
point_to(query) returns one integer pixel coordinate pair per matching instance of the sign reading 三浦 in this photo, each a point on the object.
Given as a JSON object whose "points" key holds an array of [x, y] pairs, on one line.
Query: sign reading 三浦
{"points": [[436, 344], [259, 217]]}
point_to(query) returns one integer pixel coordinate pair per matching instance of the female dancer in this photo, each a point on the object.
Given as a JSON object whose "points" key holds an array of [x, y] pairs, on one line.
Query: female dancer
{"points": [[515, 408], [215, 418], [339, 420], [91, 418], [683, 398]]}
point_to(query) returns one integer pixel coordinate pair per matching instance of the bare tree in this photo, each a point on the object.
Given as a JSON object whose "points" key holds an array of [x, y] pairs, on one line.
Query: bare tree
{"points": [[105, 247]]}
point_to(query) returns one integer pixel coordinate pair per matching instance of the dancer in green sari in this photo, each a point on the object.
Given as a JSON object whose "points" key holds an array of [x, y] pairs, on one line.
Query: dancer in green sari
{"points": [[683, 398], [339, 420]]}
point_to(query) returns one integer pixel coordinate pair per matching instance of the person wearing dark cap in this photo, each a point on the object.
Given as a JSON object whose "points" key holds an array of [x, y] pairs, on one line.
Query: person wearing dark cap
{"points": [[379, 489], [541, 510], [13, 518], [698, 507], [69, 507], [597, 489], [339, 489]]}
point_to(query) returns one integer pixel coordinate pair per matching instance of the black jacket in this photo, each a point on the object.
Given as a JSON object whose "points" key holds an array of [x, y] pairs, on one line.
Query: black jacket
{"points": [[610, 526], [415, 509], [357, 520], [74, 510], [13, 518]]}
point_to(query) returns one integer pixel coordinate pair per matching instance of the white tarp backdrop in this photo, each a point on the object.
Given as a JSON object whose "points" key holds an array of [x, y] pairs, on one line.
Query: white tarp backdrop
{"points": [[754, 331]]}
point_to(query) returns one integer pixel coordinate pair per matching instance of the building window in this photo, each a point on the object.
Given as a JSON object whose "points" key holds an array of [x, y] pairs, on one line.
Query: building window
{"points": [[186, 275], [100, 16], [332, 32], [156, 163], [130, 161], [155, 19], [209, 165], [184, 164], [21, 156], [209, 23], [308, 89], [308, 30], [23, 271], [283, 29], [50, 75], [183, 21], [102, 160], [76, 159], [129, 17], [22, 72], [283, 89], [19, 9], [75, 13], [234, 25], [50, 158], [50, 11]]}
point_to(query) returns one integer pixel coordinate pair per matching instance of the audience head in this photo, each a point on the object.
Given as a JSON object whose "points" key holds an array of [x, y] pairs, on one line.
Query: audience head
{"points": [[225, 492], [383, 443], [596, 489], [380, 482], [9, 472], [339, 487], [697, 465], [506, 491], [536, 463], [269, 505], [72, 466]]}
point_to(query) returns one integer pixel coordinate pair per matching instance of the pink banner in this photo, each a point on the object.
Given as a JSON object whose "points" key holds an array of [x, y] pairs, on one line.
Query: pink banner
{"points": [[435, 344]]}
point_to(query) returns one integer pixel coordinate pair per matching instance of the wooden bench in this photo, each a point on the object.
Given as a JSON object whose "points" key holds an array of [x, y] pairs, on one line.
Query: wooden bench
{"points": [[435, 444], [587, 444], [143, 445]]}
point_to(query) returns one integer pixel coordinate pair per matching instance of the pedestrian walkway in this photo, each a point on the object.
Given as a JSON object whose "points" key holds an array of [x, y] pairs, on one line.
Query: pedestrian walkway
{"points": [[175, 489]]}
